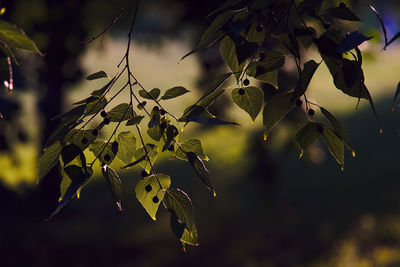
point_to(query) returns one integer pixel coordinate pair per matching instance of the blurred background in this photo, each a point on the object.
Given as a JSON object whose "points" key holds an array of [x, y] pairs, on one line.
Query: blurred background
{"points": [[272, 208]]}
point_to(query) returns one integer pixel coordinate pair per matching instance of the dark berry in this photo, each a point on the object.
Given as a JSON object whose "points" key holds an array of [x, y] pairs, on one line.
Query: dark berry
{"points": [[84, 140], [144, 173], [163, 125], [156, 108], [155, 199], [246, 82], [311, 112], [106, 121], [95, 132], [148, 188], [241, 91], [114, 146], [342, 5], [162, 112], [107, 157], [320, 129], [171, 148], [262, 56], [103, 113], [299, 102], [259, 27]]}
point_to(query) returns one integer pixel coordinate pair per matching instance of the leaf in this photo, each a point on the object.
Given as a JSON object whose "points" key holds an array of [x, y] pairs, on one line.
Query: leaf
{"points": [[251, 101], [81, 138], [334, 144], [182, 215], [101, 91], [201, 170], [174, 92], [276, 109], [114, 184], [16, 38], [171, 132], [153, 94], [209, 120], [72, 154], [396, 95], [152, 152], [208, 41], [218, 81], [126, 146], [394, 38], [97, 75], [122, 112], [228, 51], [305, 77], [217, 24], [337, 126], [95, 105], [191, 145], [150, 194], [155, 132], [224, 6], [351, 41], [136, 120], [343, 13], [155, 118], [254, 36], [307, 135], [382, 25], [108, 151], [48, 159]]}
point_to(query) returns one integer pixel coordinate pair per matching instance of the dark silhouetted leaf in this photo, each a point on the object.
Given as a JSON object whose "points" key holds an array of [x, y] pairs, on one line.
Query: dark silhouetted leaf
{"points": [[151, 200], [122, 112], [307, 135], [251, 101], [95, 105], [97, 75], [153, 94], [343, 13], [305, 77], [114, 184], [201, 170], [224, 6], [48, 159], [209, 120], [351, 41], [174, 92], [334, 144], [136, 120], [394, 38], [396, 95], [102, 90], [219, 80]]}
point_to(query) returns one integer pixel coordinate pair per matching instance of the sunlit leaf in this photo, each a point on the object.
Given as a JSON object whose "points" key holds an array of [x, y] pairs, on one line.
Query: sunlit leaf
{"points": [[150, 194], [114, 184], [191, 145], [155, 132], [97, 75], [108, 151], [228, 50], [126, 146], [96, 104], [201, 170], [251, 101], [152, 152], [153, 94], [81, 138], [174, 92]]}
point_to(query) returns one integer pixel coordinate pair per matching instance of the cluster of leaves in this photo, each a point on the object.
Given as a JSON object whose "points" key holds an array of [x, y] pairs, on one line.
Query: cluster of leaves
{"points": [[255, 39]]}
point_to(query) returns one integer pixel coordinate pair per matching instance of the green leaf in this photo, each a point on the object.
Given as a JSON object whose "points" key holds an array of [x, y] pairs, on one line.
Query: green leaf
{"points": [[174, 92], [201, 170], [272, 61], [192, 145], [171, 132], [153, 94], [343, 13], [155, 132], [114, 184], [152, 152], [81, 138], [218, 81], [136, 120], [228, 51], [126, 146], [122, 112], [224, 6], [209, 120], [217, 24], [338, 127], [101, 91], [307, 135], [254, 36], [16, 38], [334, 144], [206, 42], [97, 75], [72, 154], [305, 77], [48, 159], [276, 109], [150, 194], [95, 104], [251, 101], [155, 117], [108, 153], [182, 216]]}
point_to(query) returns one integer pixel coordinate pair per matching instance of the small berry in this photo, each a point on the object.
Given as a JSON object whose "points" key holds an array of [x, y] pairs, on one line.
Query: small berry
{"points": [[148, 188], [144, 173], [107, 157], [103, 113], [163, 125], [95, 132], [84, 140], [246, 82], [106, 121], [299, 102], [156, 108], [241, 91], [171, 148], [262, 56], [342, 5], [162, 112], [155, 199], [311, 112], [259, 27]]}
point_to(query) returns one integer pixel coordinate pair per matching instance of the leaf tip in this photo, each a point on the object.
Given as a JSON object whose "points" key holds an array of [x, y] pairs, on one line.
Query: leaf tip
{"points": [[353, 153], [380, 130], [214, 193], [301, 154], [342, 168]]}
